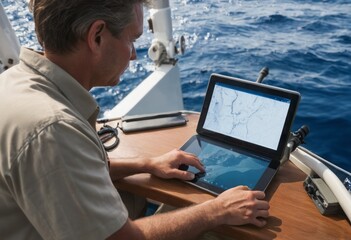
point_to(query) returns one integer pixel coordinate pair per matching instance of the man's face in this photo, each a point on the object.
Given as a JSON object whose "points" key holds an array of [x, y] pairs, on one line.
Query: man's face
{"points": [[119, 51]]}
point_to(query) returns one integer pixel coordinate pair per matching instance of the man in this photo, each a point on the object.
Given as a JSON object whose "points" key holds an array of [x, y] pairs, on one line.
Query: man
{"points": [[55, 182]]}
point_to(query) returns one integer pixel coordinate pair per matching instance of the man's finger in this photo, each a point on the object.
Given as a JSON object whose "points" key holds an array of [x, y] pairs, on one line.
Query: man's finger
{"points": [[183, 175], [192, 160]]}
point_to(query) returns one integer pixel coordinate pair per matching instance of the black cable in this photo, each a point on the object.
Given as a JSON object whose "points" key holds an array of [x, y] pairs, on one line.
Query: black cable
{"points": [[106, 133]]}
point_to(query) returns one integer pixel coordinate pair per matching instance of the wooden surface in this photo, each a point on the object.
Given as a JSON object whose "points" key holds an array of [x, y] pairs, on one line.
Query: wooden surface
{"points": [[293, 214]]}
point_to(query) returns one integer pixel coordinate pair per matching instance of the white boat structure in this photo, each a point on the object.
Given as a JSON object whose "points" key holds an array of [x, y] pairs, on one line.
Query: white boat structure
{"points": [[161, 92]]}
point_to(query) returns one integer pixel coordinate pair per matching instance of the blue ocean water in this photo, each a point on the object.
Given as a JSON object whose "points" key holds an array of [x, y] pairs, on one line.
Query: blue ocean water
{"points": [[305, 43]]}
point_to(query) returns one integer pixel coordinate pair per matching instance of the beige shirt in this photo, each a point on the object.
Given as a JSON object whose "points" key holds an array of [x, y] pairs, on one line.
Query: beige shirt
{"points": [[54, 181]]}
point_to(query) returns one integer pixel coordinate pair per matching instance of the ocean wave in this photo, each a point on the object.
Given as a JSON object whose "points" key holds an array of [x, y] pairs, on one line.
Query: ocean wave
{"points": [[276, 19], [343, 39], [320, 27]]}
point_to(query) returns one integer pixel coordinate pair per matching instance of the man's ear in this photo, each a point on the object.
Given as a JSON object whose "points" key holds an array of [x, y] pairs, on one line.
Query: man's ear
{"points": [[95, 35]]}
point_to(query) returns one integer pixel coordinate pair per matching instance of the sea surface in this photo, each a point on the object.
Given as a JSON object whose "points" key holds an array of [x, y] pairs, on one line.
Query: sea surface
{"points": [[306, 44]]}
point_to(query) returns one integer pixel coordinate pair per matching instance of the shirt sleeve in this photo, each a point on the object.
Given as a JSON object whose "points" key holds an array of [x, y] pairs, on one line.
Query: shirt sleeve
{"points": [[62, 184]]}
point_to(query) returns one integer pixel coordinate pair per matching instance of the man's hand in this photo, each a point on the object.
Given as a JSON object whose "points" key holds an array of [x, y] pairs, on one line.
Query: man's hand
{"points": [[240, 206], [167, 165]]}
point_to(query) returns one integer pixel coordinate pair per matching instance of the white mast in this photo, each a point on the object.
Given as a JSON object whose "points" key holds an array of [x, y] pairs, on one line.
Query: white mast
{"points": [[163, 47]]}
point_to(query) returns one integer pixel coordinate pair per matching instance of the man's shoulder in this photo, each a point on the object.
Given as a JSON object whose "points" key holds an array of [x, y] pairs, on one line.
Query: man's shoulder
{"points": [[28, 97], [29, 109]]}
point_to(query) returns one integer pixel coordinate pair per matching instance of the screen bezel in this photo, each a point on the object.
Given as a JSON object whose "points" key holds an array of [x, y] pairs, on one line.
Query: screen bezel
{"points": [[261, 184], [260, 89]]}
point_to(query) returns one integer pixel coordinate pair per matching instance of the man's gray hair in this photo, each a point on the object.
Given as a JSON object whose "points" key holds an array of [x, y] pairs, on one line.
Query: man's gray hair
{"points": [[60, 24]]}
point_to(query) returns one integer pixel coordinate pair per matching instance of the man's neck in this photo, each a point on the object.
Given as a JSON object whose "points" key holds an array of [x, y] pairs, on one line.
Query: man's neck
{"points": [[75, 63]]}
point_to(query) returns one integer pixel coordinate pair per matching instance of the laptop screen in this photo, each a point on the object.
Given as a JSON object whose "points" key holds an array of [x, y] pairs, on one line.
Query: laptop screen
{"points": [[253, 116], [247, 115]]}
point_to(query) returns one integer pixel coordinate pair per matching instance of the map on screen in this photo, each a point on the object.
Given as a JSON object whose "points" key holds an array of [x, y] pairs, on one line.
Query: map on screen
{"points": [[246, 115], [226, 168]]}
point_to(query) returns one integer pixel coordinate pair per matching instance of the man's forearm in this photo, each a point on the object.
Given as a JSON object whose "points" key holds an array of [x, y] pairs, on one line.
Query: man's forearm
{"points": [[164, 166], [186, 223], [120, 168], [236, 206]]}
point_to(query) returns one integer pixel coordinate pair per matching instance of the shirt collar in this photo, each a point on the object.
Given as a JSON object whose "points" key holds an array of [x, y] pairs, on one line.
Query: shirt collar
{"points": [[70, 88]]}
